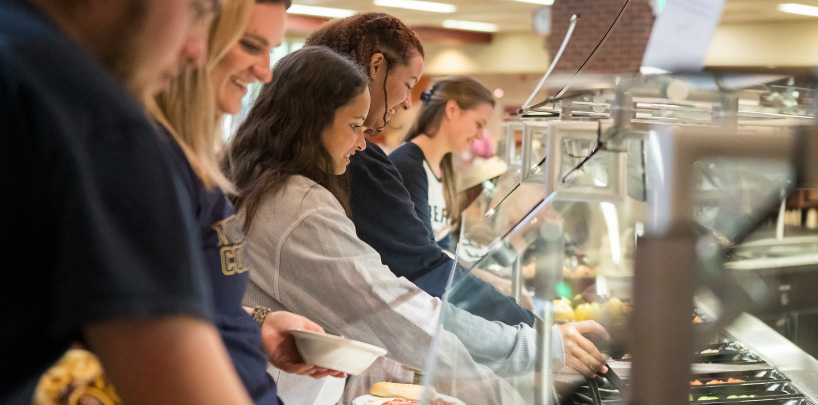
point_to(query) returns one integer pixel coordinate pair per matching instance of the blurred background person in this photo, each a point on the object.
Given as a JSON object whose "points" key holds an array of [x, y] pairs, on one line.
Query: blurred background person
{"points": [[109, 243], [453, 116]]}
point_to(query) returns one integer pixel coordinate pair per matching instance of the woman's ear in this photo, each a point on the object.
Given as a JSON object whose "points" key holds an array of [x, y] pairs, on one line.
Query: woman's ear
{"points": [[452, 109], [376, 63]]}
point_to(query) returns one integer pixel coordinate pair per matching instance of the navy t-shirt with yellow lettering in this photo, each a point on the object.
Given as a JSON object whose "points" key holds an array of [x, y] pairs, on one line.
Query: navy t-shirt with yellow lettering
{"points": [[223, 247]]}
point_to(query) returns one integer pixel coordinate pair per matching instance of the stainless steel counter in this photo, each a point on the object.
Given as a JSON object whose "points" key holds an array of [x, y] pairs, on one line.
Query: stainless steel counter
{"points": [[796, 364], [780, 353]]}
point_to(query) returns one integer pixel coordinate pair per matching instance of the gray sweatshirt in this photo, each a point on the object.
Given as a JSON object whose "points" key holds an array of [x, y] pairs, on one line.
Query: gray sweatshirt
{"points": [[306, 258]]}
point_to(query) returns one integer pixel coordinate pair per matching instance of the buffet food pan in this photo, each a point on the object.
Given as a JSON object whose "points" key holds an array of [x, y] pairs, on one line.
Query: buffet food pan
{"points": [[578, 398], [727, 353], [725, 347], [742, 392], [722, 353], [769, 375], [738, 377], [781, 392], [779, 401], [728, 358]]}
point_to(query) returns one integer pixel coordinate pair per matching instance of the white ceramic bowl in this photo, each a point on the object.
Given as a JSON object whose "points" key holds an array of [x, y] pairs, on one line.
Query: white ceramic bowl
{"points": [[335, 352]]}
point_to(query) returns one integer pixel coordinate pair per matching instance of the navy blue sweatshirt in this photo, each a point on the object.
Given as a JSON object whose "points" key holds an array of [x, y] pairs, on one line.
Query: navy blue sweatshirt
{"points": [[385, 218]]}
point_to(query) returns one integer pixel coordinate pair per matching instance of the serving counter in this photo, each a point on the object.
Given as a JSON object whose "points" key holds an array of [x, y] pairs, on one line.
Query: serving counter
{"points": [[622, 203], [795, 364]]}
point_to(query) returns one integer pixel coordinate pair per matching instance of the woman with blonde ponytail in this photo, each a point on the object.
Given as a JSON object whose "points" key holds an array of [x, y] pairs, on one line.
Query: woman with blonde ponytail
{"points": [[454, 112]]}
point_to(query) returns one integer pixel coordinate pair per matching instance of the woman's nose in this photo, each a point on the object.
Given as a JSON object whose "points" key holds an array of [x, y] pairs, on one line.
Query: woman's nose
{"points": [[262, 70], [360, 143], [194, 49]]}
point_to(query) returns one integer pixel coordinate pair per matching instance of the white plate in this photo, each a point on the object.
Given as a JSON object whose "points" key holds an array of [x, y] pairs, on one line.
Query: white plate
{"points": [[335, 352], [373, 400]]}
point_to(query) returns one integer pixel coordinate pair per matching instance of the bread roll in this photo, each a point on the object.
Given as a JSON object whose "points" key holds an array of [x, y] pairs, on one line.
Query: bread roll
{"points": [[408, 391]]}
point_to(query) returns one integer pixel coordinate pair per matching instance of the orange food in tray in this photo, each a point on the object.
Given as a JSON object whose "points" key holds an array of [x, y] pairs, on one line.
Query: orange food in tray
{"points": [[716, 382]]}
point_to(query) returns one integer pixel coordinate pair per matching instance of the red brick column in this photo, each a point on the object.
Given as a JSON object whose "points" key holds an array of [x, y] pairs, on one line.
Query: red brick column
{"points": [[622, 51]]}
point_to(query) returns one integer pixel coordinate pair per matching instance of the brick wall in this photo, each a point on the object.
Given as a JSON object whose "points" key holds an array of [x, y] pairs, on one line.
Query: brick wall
{"points": [[622, 51]]}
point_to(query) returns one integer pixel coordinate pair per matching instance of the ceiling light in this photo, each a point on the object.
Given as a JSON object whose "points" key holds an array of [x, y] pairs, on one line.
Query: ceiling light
{"points": [[320, 11], [798, 9], [543, 2], [418, 5], [470, 25]]}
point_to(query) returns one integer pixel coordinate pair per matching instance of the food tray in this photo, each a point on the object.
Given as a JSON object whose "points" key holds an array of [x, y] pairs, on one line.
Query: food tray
{"points": [[749, 376], [581, 399], [725, 347], [704, 318], [723, 353], [726, 353], [768, 375], [780, 401], [765, 393], [729, 358], [760, 390]]}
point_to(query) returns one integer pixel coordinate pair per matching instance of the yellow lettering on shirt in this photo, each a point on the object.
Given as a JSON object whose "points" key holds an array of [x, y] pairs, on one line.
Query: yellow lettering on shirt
{"points": [[231, 241]]}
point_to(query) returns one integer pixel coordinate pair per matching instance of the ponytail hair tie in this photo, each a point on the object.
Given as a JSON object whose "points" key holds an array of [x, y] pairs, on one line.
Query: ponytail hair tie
{"points": [[425, 96]]}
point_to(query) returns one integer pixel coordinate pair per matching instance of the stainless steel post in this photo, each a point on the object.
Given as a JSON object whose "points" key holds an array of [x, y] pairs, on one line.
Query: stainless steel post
{"points": [[548, 273], [566, 113], [525, 153], [779, 222], [517, 279], [662, 349]]}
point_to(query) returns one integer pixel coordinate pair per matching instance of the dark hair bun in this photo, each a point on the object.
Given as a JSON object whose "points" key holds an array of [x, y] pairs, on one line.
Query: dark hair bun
{"points": [[425, 96]]}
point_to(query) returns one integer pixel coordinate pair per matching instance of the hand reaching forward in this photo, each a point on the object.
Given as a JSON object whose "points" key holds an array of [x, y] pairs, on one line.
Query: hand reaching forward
{"points": [[580, 353]]}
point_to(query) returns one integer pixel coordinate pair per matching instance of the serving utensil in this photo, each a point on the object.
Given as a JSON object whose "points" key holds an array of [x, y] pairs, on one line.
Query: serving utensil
{"points": [[614, 379]]}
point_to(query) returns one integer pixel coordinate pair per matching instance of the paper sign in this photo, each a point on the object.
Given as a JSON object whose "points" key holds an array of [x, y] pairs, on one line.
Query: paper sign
{"points": [[681, 35]]}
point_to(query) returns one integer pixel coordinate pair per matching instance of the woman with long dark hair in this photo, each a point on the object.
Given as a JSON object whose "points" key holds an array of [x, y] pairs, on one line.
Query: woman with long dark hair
{"points": [[288, 162], [381, 207]]}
